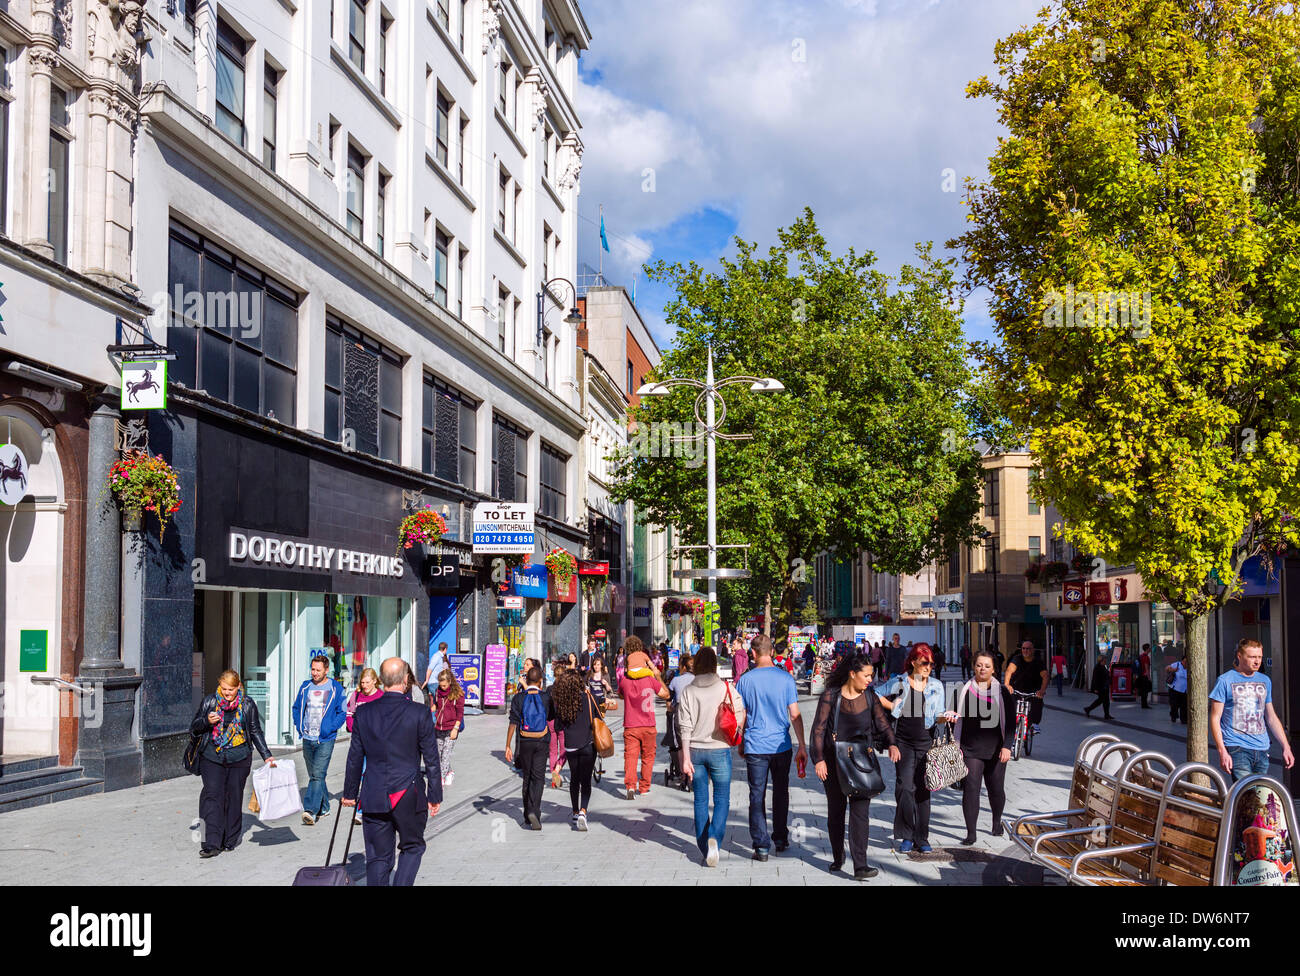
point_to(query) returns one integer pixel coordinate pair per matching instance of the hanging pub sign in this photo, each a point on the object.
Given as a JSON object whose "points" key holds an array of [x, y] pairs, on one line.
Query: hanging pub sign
{"points": [[1099, 593], [1073, 592], [144, 385], [13, 474]]}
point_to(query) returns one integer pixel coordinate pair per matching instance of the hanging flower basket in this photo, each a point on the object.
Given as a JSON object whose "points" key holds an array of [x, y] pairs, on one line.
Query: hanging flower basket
{"points": [[673, 607], [561, 564], [142, 483], [423, 528]]}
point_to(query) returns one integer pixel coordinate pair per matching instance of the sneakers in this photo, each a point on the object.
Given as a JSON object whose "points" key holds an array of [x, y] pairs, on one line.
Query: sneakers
{"points": [[711, 857], [581, 822], [323, 814], [308, 819], [1037, 730], [760, 854], [905, 847], [356, 819], [573, 817], [924, 848], [631, 794]]}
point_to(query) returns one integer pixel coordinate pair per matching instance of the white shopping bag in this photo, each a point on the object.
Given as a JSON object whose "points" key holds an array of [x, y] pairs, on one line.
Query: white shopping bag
{"points": [[277, 790]]}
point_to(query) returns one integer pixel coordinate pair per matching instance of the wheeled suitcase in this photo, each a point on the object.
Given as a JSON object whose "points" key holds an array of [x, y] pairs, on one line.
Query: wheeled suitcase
{"points": [[331, 876]]}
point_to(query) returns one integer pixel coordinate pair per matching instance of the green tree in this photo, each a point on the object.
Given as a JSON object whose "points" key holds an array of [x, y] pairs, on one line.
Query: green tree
{"points": [[1151, 152], [809, 616], [867, 448]]}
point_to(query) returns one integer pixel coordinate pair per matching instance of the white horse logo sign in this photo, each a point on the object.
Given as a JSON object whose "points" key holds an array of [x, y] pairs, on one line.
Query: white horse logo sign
{"points": [[144, 385], [13, 474]]}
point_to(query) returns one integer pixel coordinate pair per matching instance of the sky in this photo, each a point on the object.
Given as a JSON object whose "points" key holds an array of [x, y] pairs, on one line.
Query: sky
{"points": [[707, 120]]}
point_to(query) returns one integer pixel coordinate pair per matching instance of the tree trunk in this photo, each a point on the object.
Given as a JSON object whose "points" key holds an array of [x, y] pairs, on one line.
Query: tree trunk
{"points": [[767, 613], [1198, 718]]}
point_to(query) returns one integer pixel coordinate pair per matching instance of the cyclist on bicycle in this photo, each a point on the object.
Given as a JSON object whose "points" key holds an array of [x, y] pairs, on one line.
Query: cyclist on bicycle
{"points": [[1027, 673]]}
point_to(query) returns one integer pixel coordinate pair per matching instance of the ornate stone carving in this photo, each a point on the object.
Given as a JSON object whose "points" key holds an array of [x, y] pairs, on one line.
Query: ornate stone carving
{"points": [[571, 168], [541, 91], [133, 435], [63, 23], [127, 21], [492, 12], [42, 58]]}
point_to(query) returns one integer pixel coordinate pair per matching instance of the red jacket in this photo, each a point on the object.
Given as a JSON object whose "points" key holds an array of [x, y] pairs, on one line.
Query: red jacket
{"points": [[448, 714]]}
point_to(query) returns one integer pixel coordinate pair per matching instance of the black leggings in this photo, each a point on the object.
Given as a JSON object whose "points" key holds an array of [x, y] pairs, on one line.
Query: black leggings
{"points": [[859, 811], [581, 764], [994, 774], [912, 816]]}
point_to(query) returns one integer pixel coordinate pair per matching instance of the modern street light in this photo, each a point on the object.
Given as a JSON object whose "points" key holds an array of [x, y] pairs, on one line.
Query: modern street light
{"points": [[706, 398]]}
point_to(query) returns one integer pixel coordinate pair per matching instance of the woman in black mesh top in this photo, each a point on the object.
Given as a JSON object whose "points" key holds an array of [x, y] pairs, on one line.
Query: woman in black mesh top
{"points": [[848, 690]]}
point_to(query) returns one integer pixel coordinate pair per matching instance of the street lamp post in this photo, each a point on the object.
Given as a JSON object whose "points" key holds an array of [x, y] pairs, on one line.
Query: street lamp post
{"points": [[706, 398], [573, 318]]}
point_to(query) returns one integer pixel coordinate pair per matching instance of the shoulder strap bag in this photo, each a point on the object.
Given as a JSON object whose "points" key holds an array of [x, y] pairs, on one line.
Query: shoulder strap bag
{"points": [[944, 764], [727, 723], [600, 733], [856, 762]]}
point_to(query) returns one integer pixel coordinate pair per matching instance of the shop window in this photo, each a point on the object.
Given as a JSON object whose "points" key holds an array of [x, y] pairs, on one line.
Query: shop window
{"points": [[363, 391], [234, 329]]}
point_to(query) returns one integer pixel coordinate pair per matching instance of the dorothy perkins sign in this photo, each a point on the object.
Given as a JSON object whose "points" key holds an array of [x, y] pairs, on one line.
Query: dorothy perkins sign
{"points": [[301, 555]]}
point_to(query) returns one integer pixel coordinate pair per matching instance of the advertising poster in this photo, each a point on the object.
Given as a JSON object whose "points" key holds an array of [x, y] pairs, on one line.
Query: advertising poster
{"points": [[495, 658], [468, 669], [1263, 851]]}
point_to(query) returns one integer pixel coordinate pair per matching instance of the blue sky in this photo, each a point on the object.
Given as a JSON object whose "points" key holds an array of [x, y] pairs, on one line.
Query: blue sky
{"points": [[703, 121]]}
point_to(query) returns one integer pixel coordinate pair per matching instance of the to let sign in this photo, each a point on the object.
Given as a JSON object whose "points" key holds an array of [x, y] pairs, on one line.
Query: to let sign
{"points": [[503, 529]]}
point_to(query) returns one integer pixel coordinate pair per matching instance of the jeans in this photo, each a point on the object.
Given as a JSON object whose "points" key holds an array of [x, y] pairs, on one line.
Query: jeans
{"points": [[1060, 686], [1248, 762], [757, 769], [316, 756], [711, 766], [1177, 706], [912, 816]]}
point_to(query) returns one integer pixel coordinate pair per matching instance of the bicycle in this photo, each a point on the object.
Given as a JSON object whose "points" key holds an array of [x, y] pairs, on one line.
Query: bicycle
{"points": [[1024, 728]]}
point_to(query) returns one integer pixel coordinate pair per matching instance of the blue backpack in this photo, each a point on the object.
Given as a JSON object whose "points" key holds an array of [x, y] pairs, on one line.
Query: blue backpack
{"points": [[534, 712]]}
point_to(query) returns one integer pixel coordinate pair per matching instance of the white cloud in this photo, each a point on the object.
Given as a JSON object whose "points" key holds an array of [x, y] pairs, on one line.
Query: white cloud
{"points": [[854, 107]]}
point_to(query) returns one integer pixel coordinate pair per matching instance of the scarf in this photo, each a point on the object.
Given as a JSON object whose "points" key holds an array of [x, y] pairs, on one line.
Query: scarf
{"points": [[229, 733], [994, 695]]}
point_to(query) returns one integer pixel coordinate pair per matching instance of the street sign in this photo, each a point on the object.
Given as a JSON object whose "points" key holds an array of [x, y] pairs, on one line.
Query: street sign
{"points": [[712, 618], [706, 573], [13, 474], [33, 650], [503, 529], [144, 385], [512, 603]]}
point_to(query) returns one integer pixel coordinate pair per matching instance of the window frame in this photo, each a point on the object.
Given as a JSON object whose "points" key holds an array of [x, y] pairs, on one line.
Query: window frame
{"points": [[357, 47], [271, 78], [466, 441], [553, 499], [442, 106], [60, 188], [352, 170], [347, 332], [441, 258], [234, 48]]}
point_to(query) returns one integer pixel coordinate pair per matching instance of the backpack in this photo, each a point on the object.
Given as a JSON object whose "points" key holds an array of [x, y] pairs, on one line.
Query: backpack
{"points": [[534, 713]]}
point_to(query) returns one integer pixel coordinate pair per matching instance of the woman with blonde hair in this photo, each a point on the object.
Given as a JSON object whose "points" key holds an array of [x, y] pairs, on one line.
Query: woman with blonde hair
{"points": [[227, 728], [448, 713]]}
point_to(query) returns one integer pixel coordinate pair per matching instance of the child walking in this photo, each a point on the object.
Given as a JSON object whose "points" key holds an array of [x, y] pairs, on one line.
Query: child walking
{"points": [[448, 713]]}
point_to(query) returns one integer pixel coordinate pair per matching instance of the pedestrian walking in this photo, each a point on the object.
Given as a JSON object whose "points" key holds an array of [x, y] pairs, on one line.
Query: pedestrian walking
{"points": [[367, 690], [850, 711], [706, 750], [448, 714], [1241, 715], [772, 706], [413, 691], [319, 711], [639, 687], [390, 736], [599, 683], [556, 757], [227, 722], [916, 703], [588, 654], [1144, 675], [530, 714], [985, 725], [895, 657], [574, 709], [739, 658], [1176, 680], [437, 664], [1059, 667], [1100, 686], [965, 662]]}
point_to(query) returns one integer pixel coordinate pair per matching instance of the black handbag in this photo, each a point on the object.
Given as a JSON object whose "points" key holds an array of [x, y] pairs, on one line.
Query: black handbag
{"points": [[856, 762], [192, 753]]}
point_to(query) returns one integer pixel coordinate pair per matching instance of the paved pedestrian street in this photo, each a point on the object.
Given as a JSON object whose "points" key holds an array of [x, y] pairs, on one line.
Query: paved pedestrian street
{"points": [[149, 835]]}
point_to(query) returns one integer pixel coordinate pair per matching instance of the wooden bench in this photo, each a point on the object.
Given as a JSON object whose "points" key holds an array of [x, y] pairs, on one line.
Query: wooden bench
{"points": [[1092, 794], [1177, 841]]}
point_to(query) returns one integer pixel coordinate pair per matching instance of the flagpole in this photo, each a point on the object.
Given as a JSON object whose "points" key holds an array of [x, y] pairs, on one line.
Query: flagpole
{"points": [[601, 271]]}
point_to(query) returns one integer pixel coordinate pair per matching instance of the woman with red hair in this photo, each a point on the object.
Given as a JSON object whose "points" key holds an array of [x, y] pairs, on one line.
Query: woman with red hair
{"points": [[916, 701]]}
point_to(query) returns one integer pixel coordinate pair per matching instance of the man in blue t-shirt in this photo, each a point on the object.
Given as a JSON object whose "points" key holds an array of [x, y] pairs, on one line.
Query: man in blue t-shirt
{"points": [[771, 707], [1241, 714]]}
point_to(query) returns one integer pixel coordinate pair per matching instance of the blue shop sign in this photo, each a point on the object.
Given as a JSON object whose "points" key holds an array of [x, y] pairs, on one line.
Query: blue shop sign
{"points": [[529, 581]]}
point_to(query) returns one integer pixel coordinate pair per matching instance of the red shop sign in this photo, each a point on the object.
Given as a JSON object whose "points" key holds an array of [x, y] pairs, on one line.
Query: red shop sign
{"points": [[588, 568], [1073, 592], [1099, 593]]}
